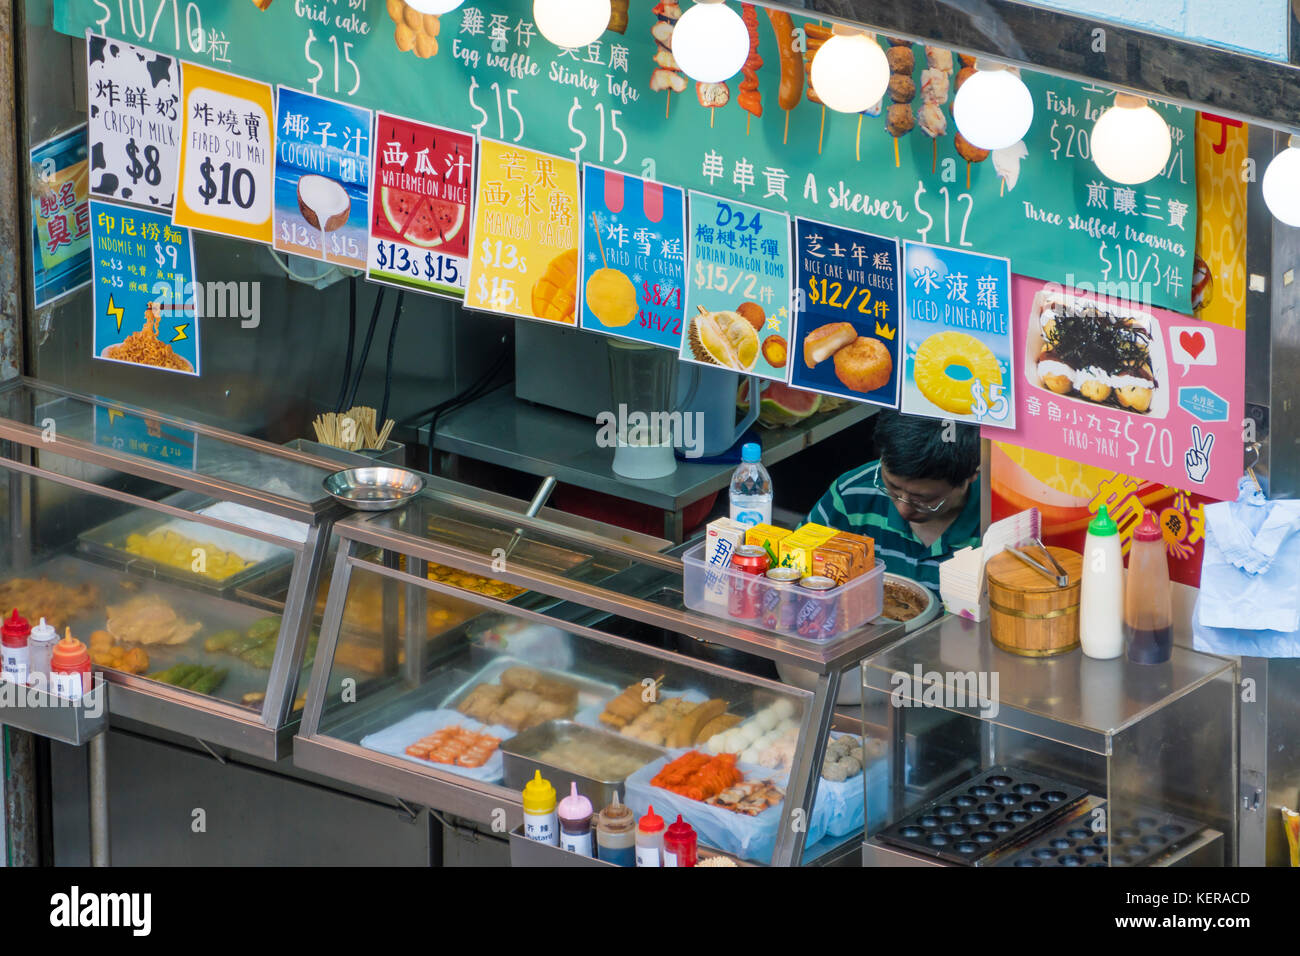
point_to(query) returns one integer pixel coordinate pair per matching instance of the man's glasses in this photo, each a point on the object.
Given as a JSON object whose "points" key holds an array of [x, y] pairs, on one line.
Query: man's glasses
{"points": [[904, 499]]}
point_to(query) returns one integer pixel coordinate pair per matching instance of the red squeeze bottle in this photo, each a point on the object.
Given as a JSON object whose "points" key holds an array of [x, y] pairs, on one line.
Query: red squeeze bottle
{"points": [[69, 667], [680, 844], [13, 636]]}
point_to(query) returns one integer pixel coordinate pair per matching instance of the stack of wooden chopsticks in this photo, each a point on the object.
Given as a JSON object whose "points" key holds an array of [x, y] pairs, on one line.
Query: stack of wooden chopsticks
{"points": [[352, 430]]}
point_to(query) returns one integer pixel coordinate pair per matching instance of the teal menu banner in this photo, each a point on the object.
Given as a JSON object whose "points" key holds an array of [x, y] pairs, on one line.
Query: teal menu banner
{"points": [[763, 138]]}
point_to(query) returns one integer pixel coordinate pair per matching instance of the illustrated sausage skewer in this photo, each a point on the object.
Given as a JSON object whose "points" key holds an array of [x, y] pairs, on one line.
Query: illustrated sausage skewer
{"points": [[792, 71], [965, 149], [900, 120], [667, 76], [749, 98]]}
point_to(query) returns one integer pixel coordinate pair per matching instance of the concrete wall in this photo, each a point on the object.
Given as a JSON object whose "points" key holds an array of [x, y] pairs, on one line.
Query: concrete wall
{"points": [[1252, 26]]}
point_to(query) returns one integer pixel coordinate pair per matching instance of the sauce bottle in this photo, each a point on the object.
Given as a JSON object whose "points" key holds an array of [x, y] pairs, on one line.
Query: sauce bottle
{"points": [[575, 822], [650, 839], [69, 667], [1148, 612], [40, 646], [680, 844], [1101, 590], [539, 811], [13, 636], [615, 839]]}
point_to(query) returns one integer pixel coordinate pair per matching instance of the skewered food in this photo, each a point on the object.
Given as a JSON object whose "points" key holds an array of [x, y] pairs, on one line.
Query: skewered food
{"points": [[815, 37], [900, 120], [667, 76], [902, 88], [712, 95], [626, 707], [901, 59], [750, 797], [749, 97], [792, 70]]}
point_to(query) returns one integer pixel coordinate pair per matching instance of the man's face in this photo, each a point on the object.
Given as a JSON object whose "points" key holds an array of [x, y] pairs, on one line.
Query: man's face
{"points": [[919, 500]]}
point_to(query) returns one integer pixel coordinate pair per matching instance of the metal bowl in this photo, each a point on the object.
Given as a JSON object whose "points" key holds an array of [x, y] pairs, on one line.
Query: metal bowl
{"points": [[373, 489]]}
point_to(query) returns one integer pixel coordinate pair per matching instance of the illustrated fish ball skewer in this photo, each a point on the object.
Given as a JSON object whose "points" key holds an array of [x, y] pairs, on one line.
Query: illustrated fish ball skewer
{"points": [[900, 119]]}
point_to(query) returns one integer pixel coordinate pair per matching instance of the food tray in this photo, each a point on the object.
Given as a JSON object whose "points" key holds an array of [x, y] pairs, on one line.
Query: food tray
{"points": [[518, 753], [987, 813], [394, 740], [1134, 841], [1159, 365], [706, 588], [589, 691], [107, 543]]}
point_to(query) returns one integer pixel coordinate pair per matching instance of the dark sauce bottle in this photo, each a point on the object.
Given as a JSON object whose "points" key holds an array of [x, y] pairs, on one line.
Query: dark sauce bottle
{"points": [[1148, 614]]}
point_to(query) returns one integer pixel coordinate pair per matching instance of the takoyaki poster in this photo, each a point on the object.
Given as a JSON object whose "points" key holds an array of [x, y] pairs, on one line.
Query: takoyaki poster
{"points": [[322, 178], [900, 168], [133, 100], [633, 257], [524, 248], [421, 206], [957, 336], [847, 318], [738, 300], [1128, 387]]}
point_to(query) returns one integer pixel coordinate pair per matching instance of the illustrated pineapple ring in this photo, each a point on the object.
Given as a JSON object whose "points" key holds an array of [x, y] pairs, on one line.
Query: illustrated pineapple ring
{"points": [[944, 350]]}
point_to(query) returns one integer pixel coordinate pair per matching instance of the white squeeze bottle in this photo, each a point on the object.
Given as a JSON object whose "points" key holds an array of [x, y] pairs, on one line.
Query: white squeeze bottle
{"points": [[751, 488], [1101, 594], [40, 646]]}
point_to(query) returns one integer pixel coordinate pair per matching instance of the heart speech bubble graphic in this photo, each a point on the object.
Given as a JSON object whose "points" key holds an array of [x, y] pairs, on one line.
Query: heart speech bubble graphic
{"points": [[1192, 345]]}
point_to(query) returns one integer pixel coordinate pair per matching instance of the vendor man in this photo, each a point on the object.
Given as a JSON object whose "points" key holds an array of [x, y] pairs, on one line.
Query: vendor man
{"points": [[919, 500]]}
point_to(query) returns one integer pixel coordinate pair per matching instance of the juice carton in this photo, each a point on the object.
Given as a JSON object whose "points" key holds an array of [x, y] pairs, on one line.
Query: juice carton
{"points": [[768, 537]]}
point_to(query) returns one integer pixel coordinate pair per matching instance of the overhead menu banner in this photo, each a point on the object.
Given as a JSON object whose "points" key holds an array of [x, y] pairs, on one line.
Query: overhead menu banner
{"points": [[896, 170], [134, 99], [322, 178], [226, 165], [738, 288], [524, 249]]}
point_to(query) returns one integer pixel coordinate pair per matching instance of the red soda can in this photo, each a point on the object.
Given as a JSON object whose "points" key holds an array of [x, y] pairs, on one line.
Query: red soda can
{"points": [[745, 594]]}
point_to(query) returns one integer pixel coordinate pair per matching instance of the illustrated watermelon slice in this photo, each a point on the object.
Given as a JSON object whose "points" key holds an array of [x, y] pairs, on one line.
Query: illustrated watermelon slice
{"points": [[780, 404], [399, 207], [436, 222]]}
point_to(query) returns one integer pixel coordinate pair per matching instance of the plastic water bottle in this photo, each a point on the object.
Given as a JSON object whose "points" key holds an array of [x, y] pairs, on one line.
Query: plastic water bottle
{"points": [[751, 488]]}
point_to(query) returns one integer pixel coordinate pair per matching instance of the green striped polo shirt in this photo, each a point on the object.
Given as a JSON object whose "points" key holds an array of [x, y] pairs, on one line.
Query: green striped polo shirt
{"points": [[853, 503]]}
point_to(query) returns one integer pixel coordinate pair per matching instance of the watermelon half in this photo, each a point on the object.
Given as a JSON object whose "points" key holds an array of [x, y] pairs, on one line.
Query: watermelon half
{"points": [[780, 404], [421, 221]]}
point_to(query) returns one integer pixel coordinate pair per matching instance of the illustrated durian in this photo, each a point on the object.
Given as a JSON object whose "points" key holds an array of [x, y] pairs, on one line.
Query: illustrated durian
{"points": [[724, 338]]}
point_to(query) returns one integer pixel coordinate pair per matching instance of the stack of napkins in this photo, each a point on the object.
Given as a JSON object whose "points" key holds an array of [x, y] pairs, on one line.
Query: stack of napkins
{"points": [[961, 584]]}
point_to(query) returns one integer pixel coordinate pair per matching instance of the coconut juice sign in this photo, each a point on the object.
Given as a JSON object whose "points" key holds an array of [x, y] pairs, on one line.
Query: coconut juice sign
{"points": [[322, 178], [421, 192]]}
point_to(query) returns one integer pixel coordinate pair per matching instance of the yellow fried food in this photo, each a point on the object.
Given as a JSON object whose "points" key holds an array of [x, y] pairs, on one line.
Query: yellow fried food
{"points": [[947, 350], [177, 551], [611, 297], [556, 292]]}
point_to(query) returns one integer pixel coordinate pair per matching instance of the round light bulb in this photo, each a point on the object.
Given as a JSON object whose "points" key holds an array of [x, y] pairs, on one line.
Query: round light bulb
{"points": [[993, 109], [1282, 185], [710, 42], [850, 72], [571, 24], [436, 7], [1130, 141]]}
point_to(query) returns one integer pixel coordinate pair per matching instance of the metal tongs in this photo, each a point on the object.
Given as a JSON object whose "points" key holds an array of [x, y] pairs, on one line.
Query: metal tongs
{"points": [[1060, 577]]}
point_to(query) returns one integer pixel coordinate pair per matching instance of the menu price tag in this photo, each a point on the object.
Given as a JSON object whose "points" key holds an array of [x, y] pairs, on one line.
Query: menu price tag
{"points": [[322, 178], [146, 310], [738, 288], [134, 434], [226, 159], [1131, 388], [634, 257], [60, 216], [524, 250], [957, 330], [134, 107], [847, 320], [421, 206]]}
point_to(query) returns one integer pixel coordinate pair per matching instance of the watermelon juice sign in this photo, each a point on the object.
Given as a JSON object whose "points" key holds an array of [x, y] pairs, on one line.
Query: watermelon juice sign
{"points": [[422, 187]]}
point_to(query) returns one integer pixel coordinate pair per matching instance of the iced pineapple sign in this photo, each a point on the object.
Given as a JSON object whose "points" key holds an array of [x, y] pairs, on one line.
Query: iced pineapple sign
{"points": [[524, 250]]}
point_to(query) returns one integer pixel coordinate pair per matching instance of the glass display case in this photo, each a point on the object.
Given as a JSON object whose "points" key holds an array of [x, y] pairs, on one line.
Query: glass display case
{"points": [[1000, 760], [469, 647], [188, 560]]}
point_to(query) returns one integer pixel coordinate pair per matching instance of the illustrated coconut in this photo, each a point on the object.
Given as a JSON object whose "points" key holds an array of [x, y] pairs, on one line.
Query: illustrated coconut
{"points": [[323, 202]]}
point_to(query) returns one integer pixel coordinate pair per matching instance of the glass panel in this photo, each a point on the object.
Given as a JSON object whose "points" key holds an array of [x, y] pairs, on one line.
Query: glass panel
{"points": [[567, 704], [150, 594], [100, 422]]}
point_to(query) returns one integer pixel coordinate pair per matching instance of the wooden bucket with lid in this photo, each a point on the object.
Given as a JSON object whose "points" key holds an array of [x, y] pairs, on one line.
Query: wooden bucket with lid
{"points": [[1028, 613]]}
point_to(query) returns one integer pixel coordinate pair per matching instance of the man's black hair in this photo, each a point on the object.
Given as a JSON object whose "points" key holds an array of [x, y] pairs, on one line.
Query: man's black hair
{"points": [[912, 447]]}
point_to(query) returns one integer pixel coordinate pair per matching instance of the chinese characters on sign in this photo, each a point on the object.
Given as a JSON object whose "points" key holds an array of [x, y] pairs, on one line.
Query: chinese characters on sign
{"points": [[634, 257], [524, 250], [60, 216], [146, 310], [322, 178], [738, 288], [847, 321], [226, 155], [957, 326], [420, 203], [134, 105]]}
